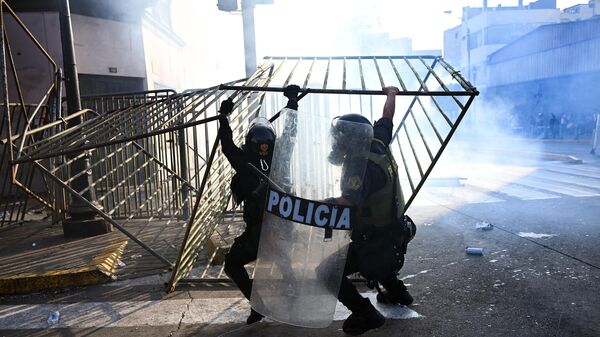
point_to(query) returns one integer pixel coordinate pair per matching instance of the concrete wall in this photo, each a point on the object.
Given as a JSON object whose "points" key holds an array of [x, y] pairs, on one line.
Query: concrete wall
{"points": [[103, 47], [102, 44], [34, 71], [455, 47], [515, 22], [563, 49], [204, 48], [164, 58], [569, 60]]}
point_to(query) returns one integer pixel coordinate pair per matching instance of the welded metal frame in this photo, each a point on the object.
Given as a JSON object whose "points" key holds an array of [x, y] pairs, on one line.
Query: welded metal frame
{"points": [[122, 125], [468, 91], [141, 176], [462, 97], [117, 166], [144, 167], [21, 118]]}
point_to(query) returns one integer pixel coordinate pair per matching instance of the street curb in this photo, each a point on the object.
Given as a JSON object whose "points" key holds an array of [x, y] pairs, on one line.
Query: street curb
{"points": [[562, 157], [101, 269], [545, 155]]}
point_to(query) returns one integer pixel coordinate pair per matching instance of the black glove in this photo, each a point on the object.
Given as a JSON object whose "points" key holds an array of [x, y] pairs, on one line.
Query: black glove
{"points": [[292, 104], [226, 107], [291, 91]]}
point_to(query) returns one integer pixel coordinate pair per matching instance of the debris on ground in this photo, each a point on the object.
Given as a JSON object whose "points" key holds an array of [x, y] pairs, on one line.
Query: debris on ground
{"points": [[474, 251], [484, 226], [36, 215], [53, 318]]}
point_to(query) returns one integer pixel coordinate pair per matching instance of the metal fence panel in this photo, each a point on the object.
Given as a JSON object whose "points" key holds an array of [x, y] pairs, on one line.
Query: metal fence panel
{"points": [[433, 100]]}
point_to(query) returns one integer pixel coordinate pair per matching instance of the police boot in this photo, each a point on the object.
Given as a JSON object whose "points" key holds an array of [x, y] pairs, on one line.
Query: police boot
{"points": [[363, 319], [394, 297], [254, 317]]}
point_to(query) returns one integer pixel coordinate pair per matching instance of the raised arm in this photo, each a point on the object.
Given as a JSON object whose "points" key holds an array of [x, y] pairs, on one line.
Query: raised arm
{"points": [[390, 103], [287, 139], [234, 154], [291, 92]]}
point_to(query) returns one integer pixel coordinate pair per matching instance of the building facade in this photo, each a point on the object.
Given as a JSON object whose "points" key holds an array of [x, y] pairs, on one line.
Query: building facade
{"points": [[485, 30], [119, 46], [550, 75]]}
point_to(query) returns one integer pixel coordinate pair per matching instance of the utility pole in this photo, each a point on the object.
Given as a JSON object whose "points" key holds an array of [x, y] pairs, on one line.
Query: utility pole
{"points": [[248, 24], [249, 36], [468, 49], [82, 220]]}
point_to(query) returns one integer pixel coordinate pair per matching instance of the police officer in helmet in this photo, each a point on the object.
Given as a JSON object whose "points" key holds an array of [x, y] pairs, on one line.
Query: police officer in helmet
{"points": [[258, 151], [380, 232]]}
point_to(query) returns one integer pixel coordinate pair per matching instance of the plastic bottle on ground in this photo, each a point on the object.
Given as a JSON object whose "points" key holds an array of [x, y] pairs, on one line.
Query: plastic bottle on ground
{"points": [[53, 318]]}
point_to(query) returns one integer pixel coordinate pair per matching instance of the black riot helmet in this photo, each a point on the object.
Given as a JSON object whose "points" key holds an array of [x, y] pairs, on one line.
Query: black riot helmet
{"points": [[351, 134], [261, 132]]}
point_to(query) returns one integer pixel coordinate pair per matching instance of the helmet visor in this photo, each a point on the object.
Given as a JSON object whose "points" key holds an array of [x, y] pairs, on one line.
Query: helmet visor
{"points": [[349, 138]]}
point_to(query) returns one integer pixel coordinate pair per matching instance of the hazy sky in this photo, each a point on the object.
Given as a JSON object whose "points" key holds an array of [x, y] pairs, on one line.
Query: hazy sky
{"points": [[310, 24], [310, 27]]}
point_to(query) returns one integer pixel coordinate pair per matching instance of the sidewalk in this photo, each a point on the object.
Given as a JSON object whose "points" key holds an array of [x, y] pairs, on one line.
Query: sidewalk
{"points": [[37, 257], [580, 149], [571, 151]]}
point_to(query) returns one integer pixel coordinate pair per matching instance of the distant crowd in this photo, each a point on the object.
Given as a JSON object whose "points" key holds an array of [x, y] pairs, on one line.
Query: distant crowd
{"points": [[565, 126]]}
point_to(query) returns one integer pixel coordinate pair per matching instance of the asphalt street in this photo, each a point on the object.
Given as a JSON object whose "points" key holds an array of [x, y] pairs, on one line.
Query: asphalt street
{"points": [[539, 274]]}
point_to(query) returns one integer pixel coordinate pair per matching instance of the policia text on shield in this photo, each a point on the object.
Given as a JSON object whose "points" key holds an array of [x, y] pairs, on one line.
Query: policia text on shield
{"points": [[308, 212], [303, 211]]}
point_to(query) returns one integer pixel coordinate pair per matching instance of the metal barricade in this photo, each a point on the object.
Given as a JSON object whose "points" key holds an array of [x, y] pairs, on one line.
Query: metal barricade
{"points": [[22, 186], [433, 100]]}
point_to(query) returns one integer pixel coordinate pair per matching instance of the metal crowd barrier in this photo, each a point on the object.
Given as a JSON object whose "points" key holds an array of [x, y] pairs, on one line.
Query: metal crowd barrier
{"points": [[158, 173], [23, 187], [433, 100]]}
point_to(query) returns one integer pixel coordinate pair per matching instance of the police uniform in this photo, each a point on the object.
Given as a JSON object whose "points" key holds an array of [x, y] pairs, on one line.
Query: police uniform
{"points": [[373, 194], [245, 247]]}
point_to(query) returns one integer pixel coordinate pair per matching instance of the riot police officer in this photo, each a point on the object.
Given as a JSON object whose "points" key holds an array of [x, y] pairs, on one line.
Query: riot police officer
{"points": [[381, 232], [258, 151]]}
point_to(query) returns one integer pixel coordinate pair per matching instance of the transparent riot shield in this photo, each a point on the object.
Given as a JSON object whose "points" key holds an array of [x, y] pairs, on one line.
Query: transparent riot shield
{"points": [[304, 238]]}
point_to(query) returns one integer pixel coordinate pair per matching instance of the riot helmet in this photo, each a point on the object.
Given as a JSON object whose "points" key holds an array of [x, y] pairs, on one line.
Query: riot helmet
{"points": [[260, 139], [351, 134], [411, 228]]}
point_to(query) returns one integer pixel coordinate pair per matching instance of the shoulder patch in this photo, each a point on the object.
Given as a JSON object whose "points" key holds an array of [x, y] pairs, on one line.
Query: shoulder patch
{"points": [[354, 182]]}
